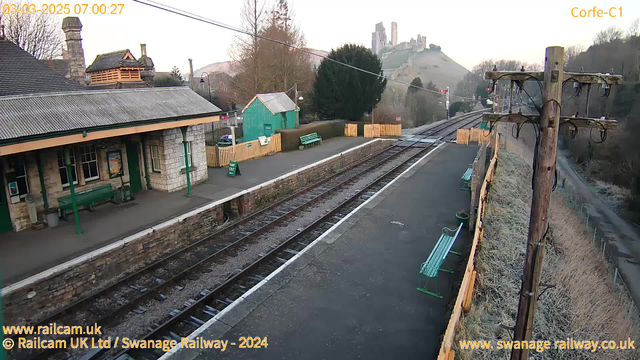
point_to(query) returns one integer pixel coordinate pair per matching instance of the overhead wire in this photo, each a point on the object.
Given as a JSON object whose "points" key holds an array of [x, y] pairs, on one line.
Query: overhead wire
{"points": [[203, 19]]}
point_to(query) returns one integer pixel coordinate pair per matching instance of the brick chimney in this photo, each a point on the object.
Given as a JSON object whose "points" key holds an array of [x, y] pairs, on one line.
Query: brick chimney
{"points": [[75, 54], [149, 69]]}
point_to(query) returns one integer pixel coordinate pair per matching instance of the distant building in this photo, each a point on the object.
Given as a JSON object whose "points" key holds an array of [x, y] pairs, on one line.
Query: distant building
{"points": [[266, 113], [379, 42]]}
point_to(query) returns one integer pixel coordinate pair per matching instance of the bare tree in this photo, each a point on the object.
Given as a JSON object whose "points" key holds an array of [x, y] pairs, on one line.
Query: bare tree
{"points": [[245, 49], [265, 66], [609, 34], [572, 52], [634, 28], [38, 34]]}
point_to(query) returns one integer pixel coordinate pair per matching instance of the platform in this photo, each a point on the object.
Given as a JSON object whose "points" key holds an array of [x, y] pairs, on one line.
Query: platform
{"points": [[353, 294], [29, 252]]}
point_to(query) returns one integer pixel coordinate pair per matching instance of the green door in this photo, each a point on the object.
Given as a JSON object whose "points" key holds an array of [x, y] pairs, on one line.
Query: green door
{"points": [[5, 218], [134, 167]]}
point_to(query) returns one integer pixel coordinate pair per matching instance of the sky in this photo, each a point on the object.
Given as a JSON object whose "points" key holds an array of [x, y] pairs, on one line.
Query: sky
{"points": [[467, 31]]}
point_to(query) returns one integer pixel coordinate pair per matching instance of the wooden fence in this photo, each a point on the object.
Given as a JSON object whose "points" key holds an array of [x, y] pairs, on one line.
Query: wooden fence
{"points": [[377, 130], [465, 294], [462, 137], [218, 157], [351, 130]]}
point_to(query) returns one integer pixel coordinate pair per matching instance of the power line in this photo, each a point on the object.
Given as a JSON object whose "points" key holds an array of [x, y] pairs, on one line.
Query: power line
{"points": [[203, 19]]}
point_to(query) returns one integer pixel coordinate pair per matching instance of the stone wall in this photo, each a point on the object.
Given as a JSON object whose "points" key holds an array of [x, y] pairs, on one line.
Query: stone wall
{"points": [[284, 187], [92, 272], [175, 176]]}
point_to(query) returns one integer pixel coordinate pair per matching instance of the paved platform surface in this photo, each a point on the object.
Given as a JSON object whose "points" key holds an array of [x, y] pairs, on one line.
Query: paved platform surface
{"points": [[29, 252], [353, 295]]}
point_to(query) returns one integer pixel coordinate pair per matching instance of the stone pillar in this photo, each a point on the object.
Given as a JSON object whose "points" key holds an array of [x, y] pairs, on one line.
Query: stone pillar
{"points": [[72, 27]]}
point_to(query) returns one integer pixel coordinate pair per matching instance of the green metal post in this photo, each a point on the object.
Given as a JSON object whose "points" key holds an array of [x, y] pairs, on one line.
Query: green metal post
{"points": [[146, 166], [76, 217], [42, 184], [186, 158]]}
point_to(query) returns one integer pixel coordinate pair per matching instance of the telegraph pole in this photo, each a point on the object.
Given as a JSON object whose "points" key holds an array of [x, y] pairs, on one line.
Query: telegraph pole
{"points": [[548, 124], [542, 185]]}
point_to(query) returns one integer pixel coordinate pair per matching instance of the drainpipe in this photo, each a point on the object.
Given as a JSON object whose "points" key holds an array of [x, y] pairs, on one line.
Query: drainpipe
{"points": [[72, 190], [42, 184], [144, 157], [186, 157]]}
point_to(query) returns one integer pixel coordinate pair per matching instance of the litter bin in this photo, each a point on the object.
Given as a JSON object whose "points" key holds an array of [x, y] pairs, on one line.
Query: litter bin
{"points": [[31, 208], [52, 217]]}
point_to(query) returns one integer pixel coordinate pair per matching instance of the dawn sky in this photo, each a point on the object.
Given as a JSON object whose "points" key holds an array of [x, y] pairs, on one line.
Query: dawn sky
{"points": [[467, 31]]}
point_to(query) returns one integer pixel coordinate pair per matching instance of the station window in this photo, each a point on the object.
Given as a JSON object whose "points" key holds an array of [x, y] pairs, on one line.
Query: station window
{"points": [[89, 162], [189, 154], [21, 178], [155, 158], [62, 168]]}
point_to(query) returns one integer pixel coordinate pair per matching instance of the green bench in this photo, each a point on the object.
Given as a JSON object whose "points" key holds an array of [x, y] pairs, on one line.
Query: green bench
{"points": [[432, 266], [466, 179], [310, 139], [86, 198]]}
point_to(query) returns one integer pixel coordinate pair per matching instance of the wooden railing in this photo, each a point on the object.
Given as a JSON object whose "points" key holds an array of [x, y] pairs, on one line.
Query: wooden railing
{"points": [[218, 157], [465, 294]]}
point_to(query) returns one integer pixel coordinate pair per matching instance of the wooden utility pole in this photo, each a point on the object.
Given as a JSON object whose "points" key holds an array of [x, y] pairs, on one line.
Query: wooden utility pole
{"points": [[542, 185], [548, 123]]}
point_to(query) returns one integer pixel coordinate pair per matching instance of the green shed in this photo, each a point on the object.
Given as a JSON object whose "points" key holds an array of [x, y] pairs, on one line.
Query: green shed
{"points": [[266, 113]]}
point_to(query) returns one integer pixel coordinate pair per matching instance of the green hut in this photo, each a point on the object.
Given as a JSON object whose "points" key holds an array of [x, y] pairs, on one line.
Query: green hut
{"points": [[266, 113]]}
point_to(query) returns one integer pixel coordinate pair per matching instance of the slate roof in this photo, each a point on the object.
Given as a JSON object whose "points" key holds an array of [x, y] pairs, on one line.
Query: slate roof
{"points": [[112, 60], [60, 66], [21, 73], [25, 116], [275, 102]]}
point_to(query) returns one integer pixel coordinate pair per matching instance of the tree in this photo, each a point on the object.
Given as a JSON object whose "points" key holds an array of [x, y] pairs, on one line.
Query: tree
{"points": [[459, 106], [572, 52], [266, 66], [166, 81], [634, 28], [245, 49], [343, 92], [38, 34], [175, 73], [607, 35]]}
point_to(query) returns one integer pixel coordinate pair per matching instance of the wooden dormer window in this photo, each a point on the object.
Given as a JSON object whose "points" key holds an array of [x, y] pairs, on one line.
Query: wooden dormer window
{"points": [[118, 66]]}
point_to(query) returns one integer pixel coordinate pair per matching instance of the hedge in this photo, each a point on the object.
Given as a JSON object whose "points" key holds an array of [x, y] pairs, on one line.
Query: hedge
{"points": [[326, 129]]}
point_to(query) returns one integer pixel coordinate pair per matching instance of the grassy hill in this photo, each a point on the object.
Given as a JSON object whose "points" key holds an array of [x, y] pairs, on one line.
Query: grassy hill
{"points": [[429, 65]]}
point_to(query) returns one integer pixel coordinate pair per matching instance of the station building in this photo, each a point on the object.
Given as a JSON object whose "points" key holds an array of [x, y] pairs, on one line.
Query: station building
{"points": [[57, 135]]}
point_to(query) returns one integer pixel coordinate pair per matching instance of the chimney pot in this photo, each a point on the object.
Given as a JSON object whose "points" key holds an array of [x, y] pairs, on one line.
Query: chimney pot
{"points": [[143, 50]]}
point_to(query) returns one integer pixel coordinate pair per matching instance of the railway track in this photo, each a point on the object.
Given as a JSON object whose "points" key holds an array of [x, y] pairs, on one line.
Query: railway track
{"points": [[108, 306], [195, 314]]}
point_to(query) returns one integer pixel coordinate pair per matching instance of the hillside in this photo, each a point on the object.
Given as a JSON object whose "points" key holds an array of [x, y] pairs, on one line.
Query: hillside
{"points": [[430, 65]]}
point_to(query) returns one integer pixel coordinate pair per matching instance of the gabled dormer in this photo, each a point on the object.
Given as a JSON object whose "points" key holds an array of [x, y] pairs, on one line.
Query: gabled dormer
{"points": [[113, 67]]}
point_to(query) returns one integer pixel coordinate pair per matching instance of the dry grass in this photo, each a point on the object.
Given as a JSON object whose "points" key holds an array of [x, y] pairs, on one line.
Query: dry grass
{"points": [[615, 195], [585, 305]]}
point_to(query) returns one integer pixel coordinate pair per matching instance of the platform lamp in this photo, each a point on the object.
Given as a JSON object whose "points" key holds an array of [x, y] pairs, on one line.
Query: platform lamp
{"points": [[208, 83]]}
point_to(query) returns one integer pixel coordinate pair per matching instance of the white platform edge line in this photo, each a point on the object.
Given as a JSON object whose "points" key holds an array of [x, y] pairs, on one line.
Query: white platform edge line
{"points": [[256, 287], [121, 243]]}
